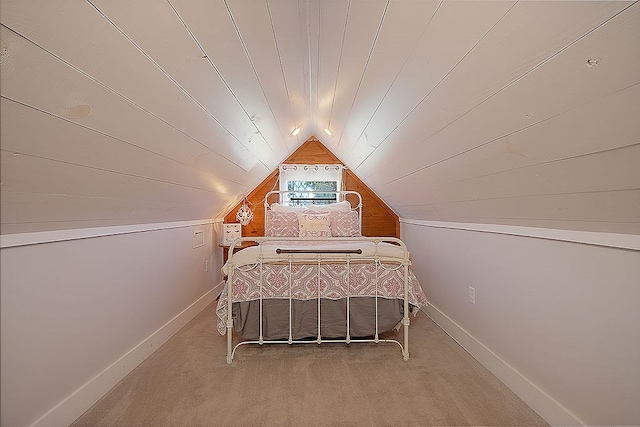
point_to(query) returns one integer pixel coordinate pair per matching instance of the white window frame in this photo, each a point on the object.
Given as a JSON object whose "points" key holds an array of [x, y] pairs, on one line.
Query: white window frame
{"points": [[303, 172]]}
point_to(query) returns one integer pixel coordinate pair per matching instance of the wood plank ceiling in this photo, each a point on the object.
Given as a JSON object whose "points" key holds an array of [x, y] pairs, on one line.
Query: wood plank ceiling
{"points": [[125, 112]]}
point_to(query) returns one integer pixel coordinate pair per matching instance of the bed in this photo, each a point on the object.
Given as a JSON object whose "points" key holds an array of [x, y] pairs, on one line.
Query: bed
{"points": [[313, 278]]}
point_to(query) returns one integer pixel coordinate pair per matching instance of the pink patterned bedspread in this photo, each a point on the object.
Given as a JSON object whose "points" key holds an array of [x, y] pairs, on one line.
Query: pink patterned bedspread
{"points": [[384, 279]]}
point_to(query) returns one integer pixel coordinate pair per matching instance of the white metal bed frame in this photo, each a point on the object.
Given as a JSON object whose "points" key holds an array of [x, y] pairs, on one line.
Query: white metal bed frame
{"points": [[318, 257]]}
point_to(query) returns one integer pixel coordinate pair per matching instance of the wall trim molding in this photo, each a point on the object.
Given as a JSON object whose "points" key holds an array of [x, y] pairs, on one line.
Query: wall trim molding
{"points": [[40, 237], [610, 240], [218, 289], [78, 402], [546, 406]]}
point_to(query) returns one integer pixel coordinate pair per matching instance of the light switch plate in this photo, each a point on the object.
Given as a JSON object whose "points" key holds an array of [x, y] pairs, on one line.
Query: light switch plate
{"points": [[230, 233]]}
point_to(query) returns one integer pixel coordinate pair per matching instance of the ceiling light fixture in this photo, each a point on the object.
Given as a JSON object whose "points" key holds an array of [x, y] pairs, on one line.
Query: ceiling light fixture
{"points": [[592, 62], [328, 132], [296, 130]]}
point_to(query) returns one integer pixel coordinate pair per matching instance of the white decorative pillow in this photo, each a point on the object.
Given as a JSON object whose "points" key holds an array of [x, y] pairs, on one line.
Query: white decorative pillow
{"points": [[344, 224], [281, 224], [340, 206], [313, 225], [277, 207]]}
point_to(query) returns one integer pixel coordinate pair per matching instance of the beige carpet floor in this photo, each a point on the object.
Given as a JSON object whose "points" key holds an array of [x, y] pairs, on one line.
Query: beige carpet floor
{"points": [[187, 383]]}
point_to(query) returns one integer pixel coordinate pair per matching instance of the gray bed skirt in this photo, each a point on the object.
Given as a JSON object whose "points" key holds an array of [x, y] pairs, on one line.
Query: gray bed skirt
{"points": [[275, 316]]}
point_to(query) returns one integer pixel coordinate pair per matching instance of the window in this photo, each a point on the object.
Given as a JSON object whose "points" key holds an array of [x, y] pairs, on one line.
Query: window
{"points": [[301, 179]]}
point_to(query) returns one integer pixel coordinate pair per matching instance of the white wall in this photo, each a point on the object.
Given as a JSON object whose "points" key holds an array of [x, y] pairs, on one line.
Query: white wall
{"points": [[557, 321], [78, 315]]}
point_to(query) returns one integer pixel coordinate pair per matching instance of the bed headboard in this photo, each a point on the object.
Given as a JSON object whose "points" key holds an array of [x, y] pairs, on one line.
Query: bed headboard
{"points": [[349, 201]]}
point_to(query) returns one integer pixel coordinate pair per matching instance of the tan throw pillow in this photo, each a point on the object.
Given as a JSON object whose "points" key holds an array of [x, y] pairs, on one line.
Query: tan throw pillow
{"points": [[313, 225]]}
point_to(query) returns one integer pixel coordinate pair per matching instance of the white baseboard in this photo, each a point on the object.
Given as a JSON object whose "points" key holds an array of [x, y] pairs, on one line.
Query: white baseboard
{"points": [[74, 405], [546, 406], [218, 289]]}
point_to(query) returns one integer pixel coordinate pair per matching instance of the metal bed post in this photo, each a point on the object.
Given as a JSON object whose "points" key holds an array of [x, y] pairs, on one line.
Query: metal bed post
{"points": [[348, 337], [290, 300], [261, 338], [405, 319], [319, 339], [376, 263], [230, 309]]}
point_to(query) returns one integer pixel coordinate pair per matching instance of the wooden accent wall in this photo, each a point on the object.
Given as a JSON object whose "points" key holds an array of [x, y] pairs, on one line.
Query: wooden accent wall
{"points": [[377, 218]]}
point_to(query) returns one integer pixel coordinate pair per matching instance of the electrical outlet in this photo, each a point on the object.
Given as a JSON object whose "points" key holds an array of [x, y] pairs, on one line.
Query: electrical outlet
{"points": [[206, 266], [472, 295]]}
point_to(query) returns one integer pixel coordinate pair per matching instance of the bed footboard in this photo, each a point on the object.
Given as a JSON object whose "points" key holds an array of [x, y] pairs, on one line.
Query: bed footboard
{"points": [[337, 273]]}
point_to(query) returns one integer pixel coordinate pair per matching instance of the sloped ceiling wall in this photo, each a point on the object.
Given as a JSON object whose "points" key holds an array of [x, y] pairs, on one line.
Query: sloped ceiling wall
{"points": [[523, 113]]}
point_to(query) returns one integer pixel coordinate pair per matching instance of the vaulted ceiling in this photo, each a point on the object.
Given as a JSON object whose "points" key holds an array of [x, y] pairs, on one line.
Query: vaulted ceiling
{"points": [[125, 112]]}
